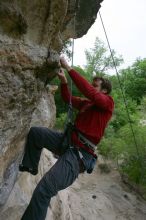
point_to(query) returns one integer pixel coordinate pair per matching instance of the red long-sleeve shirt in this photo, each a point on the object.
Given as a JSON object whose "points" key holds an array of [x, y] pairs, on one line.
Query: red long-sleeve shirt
{"points": [[94, 111]]}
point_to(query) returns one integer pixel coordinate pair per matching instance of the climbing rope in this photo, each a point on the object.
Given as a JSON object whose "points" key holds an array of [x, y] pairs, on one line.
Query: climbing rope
{"points": [[121, 87], [72, 61], [69, 119], [73, 41], [70, 108]]}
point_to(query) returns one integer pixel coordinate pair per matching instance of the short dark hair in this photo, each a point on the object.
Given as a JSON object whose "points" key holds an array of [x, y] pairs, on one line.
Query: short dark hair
{"points": [[106, 84]]}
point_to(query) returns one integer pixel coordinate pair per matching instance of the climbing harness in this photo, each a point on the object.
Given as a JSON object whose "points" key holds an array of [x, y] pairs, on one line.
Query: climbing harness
{"points": [[86, 142]]}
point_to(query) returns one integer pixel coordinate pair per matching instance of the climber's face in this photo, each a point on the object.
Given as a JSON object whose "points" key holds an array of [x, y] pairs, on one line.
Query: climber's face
{"points": [[97, 84]]}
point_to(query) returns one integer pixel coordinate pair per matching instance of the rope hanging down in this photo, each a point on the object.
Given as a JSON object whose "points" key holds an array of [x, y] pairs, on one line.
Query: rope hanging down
{"points": [[122, 91], [70, 108], [72, 62], [69, 119]]}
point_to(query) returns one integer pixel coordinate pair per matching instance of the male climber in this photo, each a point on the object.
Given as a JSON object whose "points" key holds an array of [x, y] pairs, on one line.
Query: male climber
{"points": [[94, 112]]}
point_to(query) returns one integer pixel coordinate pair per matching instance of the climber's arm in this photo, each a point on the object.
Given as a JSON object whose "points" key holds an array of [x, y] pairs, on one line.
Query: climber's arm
{"points": [[65, 93], [101, 100]]}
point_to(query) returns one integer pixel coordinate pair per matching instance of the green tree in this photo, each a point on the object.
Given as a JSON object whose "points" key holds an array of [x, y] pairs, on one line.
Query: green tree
{"points": [[134, 80], [99, 60]]}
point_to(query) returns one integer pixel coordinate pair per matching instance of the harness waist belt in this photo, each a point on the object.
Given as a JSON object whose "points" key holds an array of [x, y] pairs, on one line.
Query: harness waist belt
{"points": [[86, 142]]}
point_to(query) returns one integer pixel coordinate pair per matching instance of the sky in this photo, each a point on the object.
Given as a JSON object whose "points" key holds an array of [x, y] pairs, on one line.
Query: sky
{"points": [[125, 23]]}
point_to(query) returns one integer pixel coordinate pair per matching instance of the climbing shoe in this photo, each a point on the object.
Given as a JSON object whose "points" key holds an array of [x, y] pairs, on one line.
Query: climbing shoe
{"points": [[23, 168]]}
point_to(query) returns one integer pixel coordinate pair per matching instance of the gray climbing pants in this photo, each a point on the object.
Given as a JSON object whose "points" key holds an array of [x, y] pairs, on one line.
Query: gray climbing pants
{"points": [[61, 175]]}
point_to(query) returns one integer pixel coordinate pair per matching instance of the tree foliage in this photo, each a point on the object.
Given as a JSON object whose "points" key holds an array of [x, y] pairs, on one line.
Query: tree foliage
{"points": [[99, 60], [134, 80]]}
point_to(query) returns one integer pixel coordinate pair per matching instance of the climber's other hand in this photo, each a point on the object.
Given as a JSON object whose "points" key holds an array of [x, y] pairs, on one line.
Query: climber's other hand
{"points": [[61, 76]]}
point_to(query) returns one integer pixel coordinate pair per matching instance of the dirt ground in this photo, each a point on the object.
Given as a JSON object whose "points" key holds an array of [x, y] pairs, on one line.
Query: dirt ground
{"points": [[99, 196]]}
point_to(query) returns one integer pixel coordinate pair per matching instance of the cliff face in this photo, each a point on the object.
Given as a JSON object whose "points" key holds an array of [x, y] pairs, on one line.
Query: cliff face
{"points": [[31, 31]]}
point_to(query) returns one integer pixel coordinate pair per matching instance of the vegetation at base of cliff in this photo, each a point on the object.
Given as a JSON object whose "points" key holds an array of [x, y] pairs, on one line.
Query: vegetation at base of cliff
{"points": [[119, 143]]}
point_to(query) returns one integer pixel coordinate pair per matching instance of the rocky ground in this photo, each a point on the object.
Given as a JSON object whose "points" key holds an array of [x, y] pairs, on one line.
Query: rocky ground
{"points": [[103, 197], [96, 196]]}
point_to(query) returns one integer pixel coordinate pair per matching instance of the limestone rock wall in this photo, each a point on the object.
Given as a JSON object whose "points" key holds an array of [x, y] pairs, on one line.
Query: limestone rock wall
{"points": [[32, 34]]}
